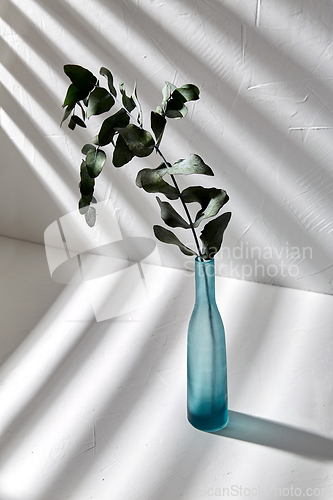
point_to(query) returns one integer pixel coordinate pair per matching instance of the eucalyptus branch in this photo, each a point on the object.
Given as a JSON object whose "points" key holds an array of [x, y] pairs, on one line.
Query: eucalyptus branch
{"points": [[133, 140]]}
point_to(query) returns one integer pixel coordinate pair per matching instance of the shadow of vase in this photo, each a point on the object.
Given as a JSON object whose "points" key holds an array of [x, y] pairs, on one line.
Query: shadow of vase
{"points": [[280, 436]]}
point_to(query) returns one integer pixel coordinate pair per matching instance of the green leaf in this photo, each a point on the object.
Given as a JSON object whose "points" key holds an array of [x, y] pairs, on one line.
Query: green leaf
{"points": [[90, 216], [78, 121], [191, 165], [188, 92], [74, 95], [95, 161], [170, 216], [210, 199], [87, 183], [100, 101], [121, 154], [108, 75], [157, 124], [161, 170], [72, 123], [138, 105], [127, 101], [169, 237], [151, 181], [175, 109], [138, 140], [84, 203], [86, 148], [81, 77], [108, 128], [212, 235], [68, 111], [167, 91]]}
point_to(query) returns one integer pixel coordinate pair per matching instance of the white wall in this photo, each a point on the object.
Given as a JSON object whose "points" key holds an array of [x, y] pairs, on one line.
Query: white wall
{"points": [[264, 122]]}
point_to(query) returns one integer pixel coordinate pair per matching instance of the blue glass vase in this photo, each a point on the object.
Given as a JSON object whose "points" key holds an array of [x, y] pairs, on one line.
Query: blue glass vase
{"points": [[207, 395]]}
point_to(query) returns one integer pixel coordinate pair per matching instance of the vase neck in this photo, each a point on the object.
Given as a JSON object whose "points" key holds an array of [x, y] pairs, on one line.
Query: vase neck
{"points": [[204, 280]]}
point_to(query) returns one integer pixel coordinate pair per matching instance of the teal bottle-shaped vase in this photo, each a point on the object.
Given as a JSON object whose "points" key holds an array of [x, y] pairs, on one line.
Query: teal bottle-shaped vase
{"points": [[207, 395]]}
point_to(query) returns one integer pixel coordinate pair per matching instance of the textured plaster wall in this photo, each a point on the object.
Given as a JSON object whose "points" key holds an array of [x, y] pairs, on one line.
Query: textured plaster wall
{"points": [[264, 122]]}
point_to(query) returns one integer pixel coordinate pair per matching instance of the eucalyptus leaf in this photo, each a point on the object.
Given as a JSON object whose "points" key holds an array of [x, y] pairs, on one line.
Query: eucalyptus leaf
{"points": [[157, 125], [108, 75], [210, 199], [86, 148], [90, 216], [87, 183], [138, 140], [191, 165], [167, 91], [166, 236], [67, 112], [161, 170], [95, 161], [170, 216], [127, 101], [175, 109], [108, 128], [72, 123], [100, 101], [121, 154], [217, 201], [188, 92], [73, 96], [78, 121], [81, 77], [212, 235], [137, 104], [84, 203], [151, 181]]}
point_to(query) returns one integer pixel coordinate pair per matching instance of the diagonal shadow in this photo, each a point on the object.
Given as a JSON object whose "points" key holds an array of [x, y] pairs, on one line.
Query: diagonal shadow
{"points": [[18, 68], [198, 66], [118, 405], [64, 368], [22, 72], [275, 435], [241, 180], [273, 137], [34, 132], [17, 20], [43, 197], [221, 11], [14, 328], [77, 22]]}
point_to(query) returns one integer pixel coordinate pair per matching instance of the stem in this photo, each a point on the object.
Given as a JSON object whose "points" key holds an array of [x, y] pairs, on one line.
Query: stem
{"points": [[183, 203]]}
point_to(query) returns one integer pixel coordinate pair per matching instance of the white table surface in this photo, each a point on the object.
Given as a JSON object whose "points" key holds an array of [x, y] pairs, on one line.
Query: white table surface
{"points": [[97, 410]]}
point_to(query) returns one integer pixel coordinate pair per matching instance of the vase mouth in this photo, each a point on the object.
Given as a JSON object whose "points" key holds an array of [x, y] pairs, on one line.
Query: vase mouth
{"points": [[205, 261]]}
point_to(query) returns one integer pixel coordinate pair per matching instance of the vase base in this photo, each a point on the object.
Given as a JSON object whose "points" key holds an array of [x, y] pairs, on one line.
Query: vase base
{"points": [[211, 424]]}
